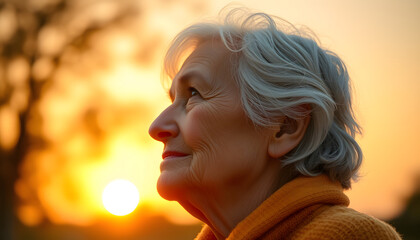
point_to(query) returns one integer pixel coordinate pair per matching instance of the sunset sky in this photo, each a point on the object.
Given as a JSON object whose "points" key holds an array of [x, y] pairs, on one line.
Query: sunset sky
{"points": [[378, 41]]}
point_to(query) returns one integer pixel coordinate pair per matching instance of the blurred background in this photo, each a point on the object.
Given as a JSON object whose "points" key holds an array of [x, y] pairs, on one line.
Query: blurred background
{"points": [[80, 85]]}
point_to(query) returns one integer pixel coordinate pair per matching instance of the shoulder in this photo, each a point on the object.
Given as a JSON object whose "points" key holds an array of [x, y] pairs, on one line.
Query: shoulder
{"points": [[340, 222]]}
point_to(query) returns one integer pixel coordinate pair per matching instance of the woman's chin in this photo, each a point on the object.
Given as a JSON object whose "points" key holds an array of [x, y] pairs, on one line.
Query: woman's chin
{"points": [[170, 185]]}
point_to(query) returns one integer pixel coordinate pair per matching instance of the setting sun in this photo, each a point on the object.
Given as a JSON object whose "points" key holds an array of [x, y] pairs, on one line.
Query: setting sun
{"points": [[120, 197]]}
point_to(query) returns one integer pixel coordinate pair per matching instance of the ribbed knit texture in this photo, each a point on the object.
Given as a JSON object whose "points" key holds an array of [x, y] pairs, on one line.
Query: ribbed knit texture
{"points": [[307, 208]]}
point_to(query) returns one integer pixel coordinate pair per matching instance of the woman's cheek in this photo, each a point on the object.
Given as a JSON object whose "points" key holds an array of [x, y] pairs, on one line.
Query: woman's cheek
{"points": [[199, 136], [192, 130], [196, 126]]}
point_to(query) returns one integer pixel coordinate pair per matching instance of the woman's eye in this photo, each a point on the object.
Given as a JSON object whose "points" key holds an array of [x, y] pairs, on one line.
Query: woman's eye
{"points": [[193, 91]]}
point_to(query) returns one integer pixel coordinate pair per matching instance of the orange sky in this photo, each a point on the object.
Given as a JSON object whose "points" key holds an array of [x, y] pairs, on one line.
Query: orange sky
{"points": [[378, 40]]}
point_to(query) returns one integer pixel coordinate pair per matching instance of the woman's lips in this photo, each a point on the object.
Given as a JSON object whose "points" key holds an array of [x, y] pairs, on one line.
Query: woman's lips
{"points": [[173, 154], [171, 159]]}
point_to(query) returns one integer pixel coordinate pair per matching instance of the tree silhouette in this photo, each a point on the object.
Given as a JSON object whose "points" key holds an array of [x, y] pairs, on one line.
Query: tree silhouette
{"points": [[408, 222], [34, 37]]}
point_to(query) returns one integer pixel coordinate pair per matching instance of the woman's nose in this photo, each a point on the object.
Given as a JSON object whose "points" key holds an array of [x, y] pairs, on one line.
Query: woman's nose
{"points": [[164, 127]]}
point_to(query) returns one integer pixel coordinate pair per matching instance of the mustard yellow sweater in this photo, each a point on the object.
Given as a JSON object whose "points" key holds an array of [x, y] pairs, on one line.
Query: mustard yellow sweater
{"points": [[307, 208]]}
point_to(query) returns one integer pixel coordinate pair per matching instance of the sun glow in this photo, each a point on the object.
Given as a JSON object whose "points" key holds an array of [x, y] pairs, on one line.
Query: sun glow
{"points": [[120, 197]]}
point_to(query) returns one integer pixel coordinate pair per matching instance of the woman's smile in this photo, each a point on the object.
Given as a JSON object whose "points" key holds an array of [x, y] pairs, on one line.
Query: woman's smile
{"points": [[168, 154], [172, 158]]}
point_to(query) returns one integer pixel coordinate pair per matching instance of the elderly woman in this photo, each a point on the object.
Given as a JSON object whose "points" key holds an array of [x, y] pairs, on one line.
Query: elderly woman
{"points": [[259, 138]]}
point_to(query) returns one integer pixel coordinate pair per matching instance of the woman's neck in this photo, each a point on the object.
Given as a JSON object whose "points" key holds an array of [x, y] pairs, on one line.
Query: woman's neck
{"points": [[223, 208]]}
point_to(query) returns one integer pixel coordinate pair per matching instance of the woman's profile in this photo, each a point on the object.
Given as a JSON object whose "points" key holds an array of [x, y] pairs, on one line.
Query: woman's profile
{"points": [[259, 138]]}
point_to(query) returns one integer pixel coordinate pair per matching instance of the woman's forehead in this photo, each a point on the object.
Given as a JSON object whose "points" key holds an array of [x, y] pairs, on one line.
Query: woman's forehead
{"points": [[208, 53], [208, 63], [207, 59]]}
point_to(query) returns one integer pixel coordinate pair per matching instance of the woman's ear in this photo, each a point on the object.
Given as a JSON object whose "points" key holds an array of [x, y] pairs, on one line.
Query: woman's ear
{"points": [[287, 136]]}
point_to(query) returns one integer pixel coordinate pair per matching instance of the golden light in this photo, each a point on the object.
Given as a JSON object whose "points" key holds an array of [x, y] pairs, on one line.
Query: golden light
{"points": [[124, 95], [120, 197]]}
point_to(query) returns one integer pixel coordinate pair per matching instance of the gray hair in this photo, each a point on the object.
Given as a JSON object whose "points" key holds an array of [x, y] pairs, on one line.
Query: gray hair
{"points": [[278, 72]]}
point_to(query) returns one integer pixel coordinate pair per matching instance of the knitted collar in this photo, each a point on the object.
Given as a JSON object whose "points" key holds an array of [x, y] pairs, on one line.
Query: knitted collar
{"points": [[289, 205]]}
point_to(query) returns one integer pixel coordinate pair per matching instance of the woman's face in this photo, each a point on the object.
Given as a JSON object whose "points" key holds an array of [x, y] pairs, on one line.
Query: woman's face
{"points": [[209, 142]]}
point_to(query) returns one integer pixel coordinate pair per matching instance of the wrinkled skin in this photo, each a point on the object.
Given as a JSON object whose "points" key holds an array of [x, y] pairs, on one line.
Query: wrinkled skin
{"points": [[207, 122]]}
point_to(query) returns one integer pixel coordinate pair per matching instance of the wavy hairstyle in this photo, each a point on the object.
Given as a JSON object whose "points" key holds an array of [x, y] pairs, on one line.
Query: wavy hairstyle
{"points": [[280, 68]]}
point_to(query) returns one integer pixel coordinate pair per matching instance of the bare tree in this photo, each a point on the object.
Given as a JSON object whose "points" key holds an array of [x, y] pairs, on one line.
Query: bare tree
{"points": [[33, 37]]}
